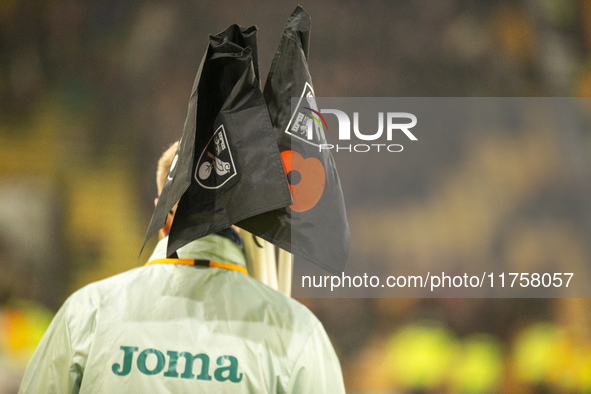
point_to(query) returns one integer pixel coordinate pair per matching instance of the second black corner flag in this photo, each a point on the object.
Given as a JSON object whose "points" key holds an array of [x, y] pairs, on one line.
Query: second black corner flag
{"points": [[315, 225]]}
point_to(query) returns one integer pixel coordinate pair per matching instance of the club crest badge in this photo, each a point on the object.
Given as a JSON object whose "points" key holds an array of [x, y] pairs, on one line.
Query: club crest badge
{"points": [[306, 123], [215, 166]]}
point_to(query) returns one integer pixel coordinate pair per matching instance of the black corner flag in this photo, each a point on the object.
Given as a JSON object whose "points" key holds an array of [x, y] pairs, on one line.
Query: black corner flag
{"points": [[227, 167], [315, 225]]}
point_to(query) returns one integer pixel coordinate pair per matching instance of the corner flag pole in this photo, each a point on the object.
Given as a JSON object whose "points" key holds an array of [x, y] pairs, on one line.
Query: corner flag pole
{"points": [[255, 256], [284, 272], [270, 263], [263, 266]]}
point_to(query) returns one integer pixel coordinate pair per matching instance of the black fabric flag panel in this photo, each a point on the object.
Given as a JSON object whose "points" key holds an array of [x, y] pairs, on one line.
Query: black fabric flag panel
{"points": [[227, 166], [315, 226]]}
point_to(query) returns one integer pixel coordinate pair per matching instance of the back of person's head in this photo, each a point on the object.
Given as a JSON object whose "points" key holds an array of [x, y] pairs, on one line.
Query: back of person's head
{"points": [[164, 164]]}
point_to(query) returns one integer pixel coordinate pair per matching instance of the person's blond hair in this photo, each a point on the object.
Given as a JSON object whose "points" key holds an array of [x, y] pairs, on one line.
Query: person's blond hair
{"points": [[164, 164]]}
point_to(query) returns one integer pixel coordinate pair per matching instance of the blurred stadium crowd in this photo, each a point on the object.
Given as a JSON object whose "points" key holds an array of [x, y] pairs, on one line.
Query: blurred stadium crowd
{"points": [[92, 92]]}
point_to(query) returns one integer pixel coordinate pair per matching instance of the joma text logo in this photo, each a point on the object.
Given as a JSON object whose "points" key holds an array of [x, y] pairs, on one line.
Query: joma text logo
{"points": [[227, 368]]}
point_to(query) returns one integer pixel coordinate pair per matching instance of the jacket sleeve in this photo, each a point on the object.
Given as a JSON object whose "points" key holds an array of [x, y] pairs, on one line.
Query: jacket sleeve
{"points": [[52, 368], [317, 368]]}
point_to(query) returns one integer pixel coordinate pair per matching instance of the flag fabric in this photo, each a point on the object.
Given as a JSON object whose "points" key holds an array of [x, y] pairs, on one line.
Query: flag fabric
{"points": [[315, 225], [227, 167]]}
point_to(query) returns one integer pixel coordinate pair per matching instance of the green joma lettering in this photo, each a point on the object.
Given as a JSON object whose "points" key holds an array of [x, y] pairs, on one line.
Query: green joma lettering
{"points": [[227, 366]]}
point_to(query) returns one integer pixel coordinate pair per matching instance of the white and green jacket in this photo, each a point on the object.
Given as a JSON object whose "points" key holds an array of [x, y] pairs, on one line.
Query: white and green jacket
{"points": [[172, 328]]}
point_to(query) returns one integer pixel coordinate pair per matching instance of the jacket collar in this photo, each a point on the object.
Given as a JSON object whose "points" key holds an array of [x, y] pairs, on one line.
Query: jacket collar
{"points": [[212, 247]]}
